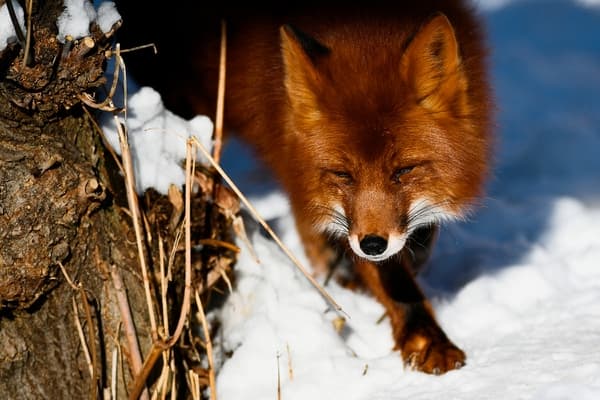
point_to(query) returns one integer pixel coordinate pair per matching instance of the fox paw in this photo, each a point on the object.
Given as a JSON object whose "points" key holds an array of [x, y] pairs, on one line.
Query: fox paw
{"points": [[430, 353]]}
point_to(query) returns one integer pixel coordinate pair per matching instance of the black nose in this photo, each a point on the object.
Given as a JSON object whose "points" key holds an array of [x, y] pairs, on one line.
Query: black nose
{"points": [[373, 245]]}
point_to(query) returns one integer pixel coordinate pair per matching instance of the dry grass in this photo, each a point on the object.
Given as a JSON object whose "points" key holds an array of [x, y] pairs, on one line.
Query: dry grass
{"points": [[158, 240], [164, 342]]}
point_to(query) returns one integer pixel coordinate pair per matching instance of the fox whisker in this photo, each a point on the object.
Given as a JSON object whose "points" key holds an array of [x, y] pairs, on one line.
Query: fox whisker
{"points": [[331, 220]]}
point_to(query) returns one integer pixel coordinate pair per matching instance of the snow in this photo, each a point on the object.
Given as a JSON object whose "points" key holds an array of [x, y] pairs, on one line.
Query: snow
{"points": [[76, 19], [157, 139], [107, 15], [79, 14], [7, 29]]}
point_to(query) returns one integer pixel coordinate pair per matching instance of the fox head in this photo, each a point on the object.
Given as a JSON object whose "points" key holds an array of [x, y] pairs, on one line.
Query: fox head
{"points": [[390, 133]]}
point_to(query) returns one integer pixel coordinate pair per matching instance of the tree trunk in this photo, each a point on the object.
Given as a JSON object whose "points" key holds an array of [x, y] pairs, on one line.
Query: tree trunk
{"points": [[68, 249], [57, 208]]}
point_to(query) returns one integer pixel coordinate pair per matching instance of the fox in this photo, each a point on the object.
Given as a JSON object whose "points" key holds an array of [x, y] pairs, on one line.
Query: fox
{"points": [[376, 119]]}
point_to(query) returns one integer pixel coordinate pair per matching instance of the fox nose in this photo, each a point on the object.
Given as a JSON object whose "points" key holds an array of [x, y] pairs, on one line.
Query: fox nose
{"points": [[373, 245]]}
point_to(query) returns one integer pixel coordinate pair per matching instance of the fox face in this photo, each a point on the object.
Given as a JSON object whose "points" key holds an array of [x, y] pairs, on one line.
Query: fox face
{"points": [[393, 139]]}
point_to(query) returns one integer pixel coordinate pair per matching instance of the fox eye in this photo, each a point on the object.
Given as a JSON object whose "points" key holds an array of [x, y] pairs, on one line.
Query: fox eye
{"points": [[401, 171], [344, 176]]}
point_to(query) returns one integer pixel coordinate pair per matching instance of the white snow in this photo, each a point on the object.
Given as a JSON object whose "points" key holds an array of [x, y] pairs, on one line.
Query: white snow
{"points": [[76, 19], [7, 29], [79, 14], [107, 15], [157, 139]]}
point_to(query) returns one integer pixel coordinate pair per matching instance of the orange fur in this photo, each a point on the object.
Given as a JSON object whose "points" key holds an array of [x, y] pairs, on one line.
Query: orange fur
{"points": [[376, 121]]}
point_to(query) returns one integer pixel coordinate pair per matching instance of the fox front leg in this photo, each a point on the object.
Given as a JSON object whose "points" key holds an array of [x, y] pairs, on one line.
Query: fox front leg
{"points": [[422, 343]]}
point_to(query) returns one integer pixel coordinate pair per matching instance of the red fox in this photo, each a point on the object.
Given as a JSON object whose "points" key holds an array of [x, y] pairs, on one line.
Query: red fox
{"points": [[377, 122]]}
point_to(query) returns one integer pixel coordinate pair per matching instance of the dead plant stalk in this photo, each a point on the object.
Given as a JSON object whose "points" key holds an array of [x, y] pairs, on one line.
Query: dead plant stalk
{"points": [[132, 201], [135, 356], [267, 228], [209, 348], [218, 137]]}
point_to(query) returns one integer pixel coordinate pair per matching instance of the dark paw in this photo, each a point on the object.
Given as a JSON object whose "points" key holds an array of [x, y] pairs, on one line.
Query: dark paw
{"points": [[431, 352]]}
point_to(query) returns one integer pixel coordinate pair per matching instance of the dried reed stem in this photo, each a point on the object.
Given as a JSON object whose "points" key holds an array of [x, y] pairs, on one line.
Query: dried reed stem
{"points": [[278, 379], [90, 324], [27, 59], [109, 53], [190, 161], [219, 243], [113, 374], [84, 347], [163, 285], [91, 360], [132, 201], [266, 226], [107, 103], [135, 355], [209, 348], [289, 356], [107, 145], [218, 137], [140, 379]]}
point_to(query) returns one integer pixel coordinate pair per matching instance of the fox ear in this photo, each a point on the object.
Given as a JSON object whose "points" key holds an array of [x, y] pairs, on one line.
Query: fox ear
{"points": [[433, 66], [301, 55]]}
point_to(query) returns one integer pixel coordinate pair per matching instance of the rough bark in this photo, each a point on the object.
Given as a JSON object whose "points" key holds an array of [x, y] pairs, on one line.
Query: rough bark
{"points": [[57, 206]]}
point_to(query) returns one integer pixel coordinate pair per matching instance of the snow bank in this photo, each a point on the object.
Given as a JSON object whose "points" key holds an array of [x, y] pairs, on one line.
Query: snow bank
{"points": [[79, 14], [7, 29], [157, 139]]}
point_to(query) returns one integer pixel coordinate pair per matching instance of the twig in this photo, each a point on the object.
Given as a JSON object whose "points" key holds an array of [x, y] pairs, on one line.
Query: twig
{"points": [[91, 360], [163, 285], [28, 57], [209, 349], [278, 379], [69, 281], [162, 381], [219, 243], [107, 103], [173, 381], [107, 145], [140, 379], [90, 324], [109, 53], [113, 375], [83, 47], [290, 369], [218, 137], [266, 226], [84, 347], [128, 325], [132, 201], [89, 101], [194, 385], [185, 307], [227, 281]]}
